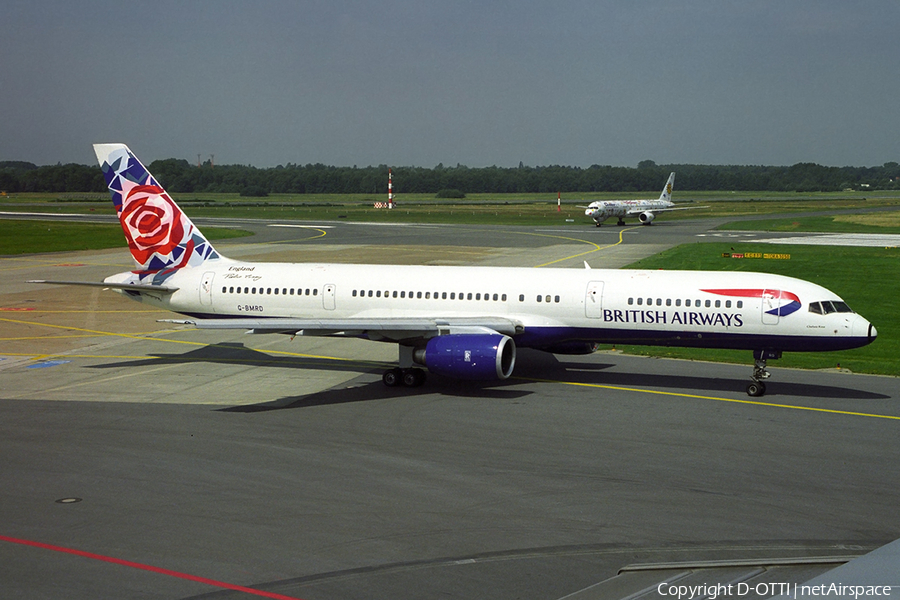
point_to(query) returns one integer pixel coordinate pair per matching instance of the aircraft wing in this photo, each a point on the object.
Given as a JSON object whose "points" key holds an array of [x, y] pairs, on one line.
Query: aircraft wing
{"points": [[396, 329], [138, 287], [637, 211]]}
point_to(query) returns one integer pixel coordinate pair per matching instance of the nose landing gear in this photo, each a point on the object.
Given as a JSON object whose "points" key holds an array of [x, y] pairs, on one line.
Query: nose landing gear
{"points": [[757, 387]]}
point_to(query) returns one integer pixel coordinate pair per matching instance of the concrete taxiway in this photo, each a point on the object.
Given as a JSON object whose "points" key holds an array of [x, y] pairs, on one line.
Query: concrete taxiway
{"points": [[145, 460]]}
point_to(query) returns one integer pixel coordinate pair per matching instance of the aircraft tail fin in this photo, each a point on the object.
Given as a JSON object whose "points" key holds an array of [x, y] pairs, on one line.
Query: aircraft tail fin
{"points": [[667, 191], [160, 236]]}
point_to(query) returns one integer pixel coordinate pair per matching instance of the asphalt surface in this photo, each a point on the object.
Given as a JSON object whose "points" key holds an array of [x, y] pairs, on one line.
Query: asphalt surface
{"points": [[142, 460]]}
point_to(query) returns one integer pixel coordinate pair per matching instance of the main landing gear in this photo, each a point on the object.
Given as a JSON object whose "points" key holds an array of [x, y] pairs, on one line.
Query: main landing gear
{"points": [[406, 377], [757, 387]]}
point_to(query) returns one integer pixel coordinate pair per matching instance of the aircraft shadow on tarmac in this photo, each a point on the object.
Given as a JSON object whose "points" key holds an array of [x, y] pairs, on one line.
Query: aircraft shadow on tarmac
{"points": [[530, 364]]}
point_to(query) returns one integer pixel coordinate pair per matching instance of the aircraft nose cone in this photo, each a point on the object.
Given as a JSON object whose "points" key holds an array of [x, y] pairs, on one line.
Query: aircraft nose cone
{"points": [[862, 328]]}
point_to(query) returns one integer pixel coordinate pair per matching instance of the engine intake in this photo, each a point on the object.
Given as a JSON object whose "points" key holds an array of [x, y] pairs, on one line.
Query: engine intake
{"points": [[647, 217], [469, 356]]}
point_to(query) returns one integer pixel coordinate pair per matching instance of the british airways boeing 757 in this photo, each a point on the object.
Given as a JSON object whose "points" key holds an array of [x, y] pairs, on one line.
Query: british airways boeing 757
{"points": [[462, 322]]}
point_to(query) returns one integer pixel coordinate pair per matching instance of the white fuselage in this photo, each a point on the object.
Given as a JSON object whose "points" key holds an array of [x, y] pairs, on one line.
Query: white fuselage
{"points": [[601, 210], [554, 306]]}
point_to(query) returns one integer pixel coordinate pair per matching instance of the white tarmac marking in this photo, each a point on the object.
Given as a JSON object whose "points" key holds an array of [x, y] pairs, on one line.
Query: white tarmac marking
{"points": [[839, 239]]}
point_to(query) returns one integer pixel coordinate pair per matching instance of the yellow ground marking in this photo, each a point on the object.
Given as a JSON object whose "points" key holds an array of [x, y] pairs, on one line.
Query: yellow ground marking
{"points": [[597, 247], [714, 398], [148, 337]]}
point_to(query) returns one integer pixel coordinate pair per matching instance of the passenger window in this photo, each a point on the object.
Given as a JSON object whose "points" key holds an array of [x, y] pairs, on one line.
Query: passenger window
{"points": [[468, 296], [630, 301], [353, 294], [640, 301], [677, 301], [707, 304], [477, 296], [377, 294], [495, 297], [548, 298], [418, 295], [740, 304], [370, 293], [556, 299], [453, 295], [728, 304], [503, 298], [659, 301], [276, 291], [668, 302], [687, 302], [539, 298], [521, 297]]}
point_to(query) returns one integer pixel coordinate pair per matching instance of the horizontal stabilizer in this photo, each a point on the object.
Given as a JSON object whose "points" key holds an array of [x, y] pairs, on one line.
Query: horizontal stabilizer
{"points": [[136, 287]]}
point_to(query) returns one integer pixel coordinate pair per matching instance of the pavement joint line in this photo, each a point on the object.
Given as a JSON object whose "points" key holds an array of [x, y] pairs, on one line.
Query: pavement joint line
{"points": [[715, 398]]}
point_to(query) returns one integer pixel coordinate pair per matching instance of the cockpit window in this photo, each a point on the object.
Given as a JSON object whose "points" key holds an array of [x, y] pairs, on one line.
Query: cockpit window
{"points": [[829, 306], [841, 306]]}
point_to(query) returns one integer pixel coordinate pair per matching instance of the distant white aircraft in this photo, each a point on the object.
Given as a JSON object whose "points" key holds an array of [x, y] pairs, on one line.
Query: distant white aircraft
{"points": [[462, 322], [644, 210]]}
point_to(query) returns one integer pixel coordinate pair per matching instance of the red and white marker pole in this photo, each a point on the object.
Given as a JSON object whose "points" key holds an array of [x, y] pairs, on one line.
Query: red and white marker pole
{"points": [[558, 201], [390, 189]]}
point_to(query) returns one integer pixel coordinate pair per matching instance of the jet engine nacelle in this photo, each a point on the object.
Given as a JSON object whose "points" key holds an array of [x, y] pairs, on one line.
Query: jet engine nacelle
{"points": [[487, 356], [647, 217]]}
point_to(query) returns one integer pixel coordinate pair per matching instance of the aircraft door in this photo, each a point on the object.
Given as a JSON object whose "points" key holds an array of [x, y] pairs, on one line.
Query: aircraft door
{"points": [[206, 288], [593, 300], [328, 296], [771, 304]]}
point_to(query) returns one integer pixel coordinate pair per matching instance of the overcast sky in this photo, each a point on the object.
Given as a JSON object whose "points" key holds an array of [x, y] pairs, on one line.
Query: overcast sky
{"points": [[417, 83]]}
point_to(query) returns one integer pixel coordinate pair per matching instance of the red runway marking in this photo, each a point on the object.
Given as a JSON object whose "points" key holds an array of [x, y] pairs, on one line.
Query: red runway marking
{"points": [[12, 309], [143, 567]]}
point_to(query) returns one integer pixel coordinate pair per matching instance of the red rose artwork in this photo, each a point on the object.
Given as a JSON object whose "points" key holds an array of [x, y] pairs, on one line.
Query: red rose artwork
{"points": [[153, 224]]}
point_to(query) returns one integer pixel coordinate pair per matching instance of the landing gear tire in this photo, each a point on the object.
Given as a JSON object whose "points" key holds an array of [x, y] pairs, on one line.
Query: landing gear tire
{"points": [[756, 389], [392, 377], [413, 377]]}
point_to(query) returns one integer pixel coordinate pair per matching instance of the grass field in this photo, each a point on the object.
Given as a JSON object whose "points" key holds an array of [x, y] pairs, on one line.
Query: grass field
{"points": [[880, 222], [489, 209], [867, 278], [31, 237]]}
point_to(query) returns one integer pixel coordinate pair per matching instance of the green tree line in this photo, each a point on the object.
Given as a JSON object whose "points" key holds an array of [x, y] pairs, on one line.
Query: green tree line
{"points": [[179, 176]]}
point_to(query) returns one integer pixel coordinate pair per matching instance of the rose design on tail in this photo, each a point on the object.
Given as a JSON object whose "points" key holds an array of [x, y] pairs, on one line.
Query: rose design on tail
{"points": [[152, 222], [160, 236]]}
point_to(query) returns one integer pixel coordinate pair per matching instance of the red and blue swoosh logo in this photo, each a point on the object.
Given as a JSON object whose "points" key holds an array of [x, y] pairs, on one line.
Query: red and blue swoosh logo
{"points": [[787, 302]]}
